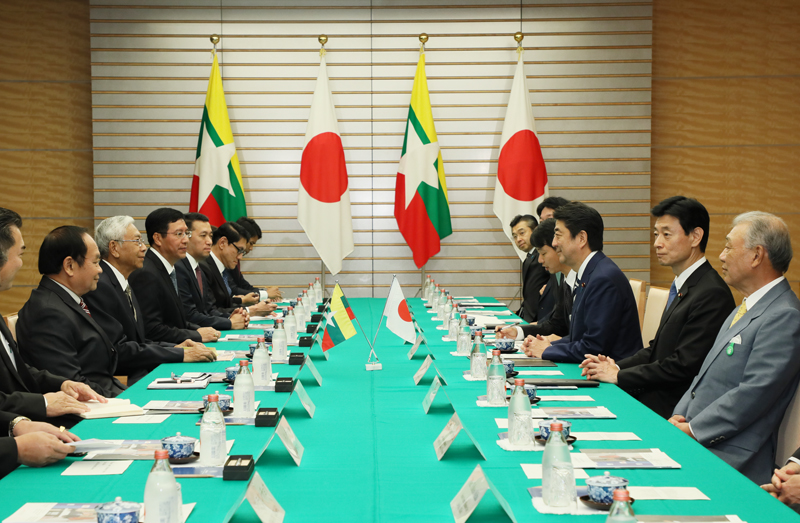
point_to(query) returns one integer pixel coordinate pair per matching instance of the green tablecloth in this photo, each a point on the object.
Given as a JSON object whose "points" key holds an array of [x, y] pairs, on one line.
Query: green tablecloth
{"points": [[369, 449]]}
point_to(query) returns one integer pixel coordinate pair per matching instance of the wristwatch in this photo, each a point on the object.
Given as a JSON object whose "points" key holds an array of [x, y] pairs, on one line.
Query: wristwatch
{"points": [[13, 424]]}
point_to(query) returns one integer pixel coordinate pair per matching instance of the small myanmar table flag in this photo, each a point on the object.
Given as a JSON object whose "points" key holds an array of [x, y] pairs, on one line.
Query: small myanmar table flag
{"points": [[217, 188], [421, 207], [339, 326], [521, 172]]}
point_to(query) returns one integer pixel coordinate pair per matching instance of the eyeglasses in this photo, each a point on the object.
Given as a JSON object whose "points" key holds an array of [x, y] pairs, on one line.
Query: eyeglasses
{"points": [[179, 234], [139, 241], [239, 250]]}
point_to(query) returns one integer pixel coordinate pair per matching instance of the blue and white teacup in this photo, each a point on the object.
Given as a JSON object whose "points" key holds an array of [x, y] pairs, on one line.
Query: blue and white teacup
{"points": [[470, 321], [509, 366], [224, 401], [530, 390], [601, 488], [544, 427], [118, 511], [293, 303], [230, 373], [268, 331], [503, 343], [178, 446]]}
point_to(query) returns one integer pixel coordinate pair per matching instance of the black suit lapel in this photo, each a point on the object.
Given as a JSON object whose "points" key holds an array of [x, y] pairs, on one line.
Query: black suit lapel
{"points": [[159, 267], [138, 322], [15, 372], [683, 292]]}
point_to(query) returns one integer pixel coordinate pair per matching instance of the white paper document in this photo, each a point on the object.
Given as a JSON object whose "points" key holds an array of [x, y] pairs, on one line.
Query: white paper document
{"points": [[534, 471], [97, 468], [672, 493], [73, 512], [147, 418], [572, 413], [114, 408], [566, 398], [540, 372], [623, 459], [93, 444]]}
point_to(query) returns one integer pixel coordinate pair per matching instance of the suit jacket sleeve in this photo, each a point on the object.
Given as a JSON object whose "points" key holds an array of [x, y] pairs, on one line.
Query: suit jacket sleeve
{"points": [[764, 379], [238, 284], [603, 301], [696, 338], [556, 324], [195, 316], [147, 288], [28, 404]]}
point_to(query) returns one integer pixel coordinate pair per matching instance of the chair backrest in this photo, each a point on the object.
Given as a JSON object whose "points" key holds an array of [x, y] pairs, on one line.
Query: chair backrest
{"points": [[11, 323], [640, 293], [789, 432], [656, 303]]}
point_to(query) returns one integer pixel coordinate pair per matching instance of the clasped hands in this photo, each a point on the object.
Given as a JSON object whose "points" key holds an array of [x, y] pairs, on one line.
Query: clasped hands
{"points": [[785, 484]]}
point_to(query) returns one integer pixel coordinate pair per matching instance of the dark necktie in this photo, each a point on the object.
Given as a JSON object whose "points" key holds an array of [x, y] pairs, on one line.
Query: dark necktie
{"points": [[673, 291], [174, 279], [199, 274], [577, 290], [129, 294], [85, 308], [225, 281]]}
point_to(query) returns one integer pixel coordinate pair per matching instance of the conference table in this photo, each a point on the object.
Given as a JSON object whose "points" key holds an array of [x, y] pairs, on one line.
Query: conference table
{"points": [[369, 453]]}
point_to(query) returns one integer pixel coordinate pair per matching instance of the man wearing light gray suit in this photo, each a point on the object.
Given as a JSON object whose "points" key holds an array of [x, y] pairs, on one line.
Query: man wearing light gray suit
{"points": [[737, 401]]}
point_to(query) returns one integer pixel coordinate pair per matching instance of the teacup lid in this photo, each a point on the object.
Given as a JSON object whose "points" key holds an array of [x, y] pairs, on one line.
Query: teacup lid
{"points": [[177, 438], [118, 506], [606, 480]]}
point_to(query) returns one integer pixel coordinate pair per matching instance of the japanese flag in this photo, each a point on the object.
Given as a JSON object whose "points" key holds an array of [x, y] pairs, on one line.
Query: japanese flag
{"points": [[398, 318]]}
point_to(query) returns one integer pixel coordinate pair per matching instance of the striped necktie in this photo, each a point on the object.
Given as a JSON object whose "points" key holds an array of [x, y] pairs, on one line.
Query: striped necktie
{"points": [[739, 313], [85, 308], [129, 294]]}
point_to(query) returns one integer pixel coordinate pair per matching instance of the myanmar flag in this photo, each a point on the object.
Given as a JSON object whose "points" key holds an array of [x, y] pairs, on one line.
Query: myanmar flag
{"points": [[339, 326], [420, 199], [217, 189]]}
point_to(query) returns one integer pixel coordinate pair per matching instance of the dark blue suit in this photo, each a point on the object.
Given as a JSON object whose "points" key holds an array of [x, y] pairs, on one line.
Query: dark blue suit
{"points": [[605, 319]]}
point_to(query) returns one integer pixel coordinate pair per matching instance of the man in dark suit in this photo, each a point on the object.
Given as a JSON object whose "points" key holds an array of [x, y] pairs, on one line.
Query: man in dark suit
{"points": [[555, 303], [116, 308], [198, 300], [699, 302], [25, 390], [239, 285], [534, 277], [605, 319], [156, 283], [228, 244], [56, 329], [737, 401]]}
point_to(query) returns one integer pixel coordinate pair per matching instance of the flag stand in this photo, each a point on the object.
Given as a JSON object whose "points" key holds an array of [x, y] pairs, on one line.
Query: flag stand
{"points": [[371, 365]]}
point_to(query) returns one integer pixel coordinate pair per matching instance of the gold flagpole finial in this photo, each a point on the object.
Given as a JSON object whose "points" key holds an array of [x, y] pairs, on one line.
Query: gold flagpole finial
{"points": [[518, 36], [214, 40], [323, 39], [423, 38]]}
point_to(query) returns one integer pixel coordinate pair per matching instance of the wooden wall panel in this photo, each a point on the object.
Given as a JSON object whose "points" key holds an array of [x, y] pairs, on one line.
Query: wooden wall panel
{"points": [[45, 141], [725, 107]]}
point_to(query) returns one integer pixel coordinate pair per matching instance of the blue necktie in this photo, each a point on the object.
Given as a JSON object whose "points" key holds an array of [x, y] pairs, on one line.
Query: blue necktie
{"points": [[174, 279], [576, 290], [673, 291], [225, 280]]}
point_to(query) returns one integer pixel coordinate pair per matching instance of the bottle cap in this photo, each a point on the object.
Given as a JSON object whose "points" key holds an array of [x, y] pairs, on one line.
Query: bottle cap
{"points": [[519, 382], [162, 454], [621, 494], [260, 339], [478, 331], [495, 352], [244, 363], [289, 308], [213, 397], [463, 315], [299, 299], [317, 278], [556, 425], [279, 320]]}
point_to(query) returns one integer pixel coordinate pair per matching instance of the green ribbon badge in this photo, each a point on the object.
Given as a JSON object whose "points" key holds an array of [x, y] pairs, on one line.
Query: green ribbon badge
{"points": [[730, 349]]}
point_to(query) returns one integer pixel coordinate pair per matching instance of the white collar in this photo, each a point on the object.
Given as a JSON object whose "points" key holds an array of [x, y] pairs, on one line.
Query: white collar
{"points": [[584, 264], [681, 278], [751, 300], [192, 261], [570, 278], [220, 266], [123, 282], [167, 265], [69, 291]]}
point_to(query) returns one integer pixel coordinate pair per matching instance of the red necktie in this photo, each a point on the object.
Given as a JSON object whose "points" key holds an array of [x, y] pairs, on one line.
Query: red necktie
{"points": [[199, 275], [85, 308]]}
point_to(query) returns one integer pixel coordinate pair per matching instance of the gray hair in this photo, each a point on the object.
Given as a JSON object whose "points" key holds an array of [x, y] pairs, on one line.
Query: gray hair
{"points": [[770, 232], [110, 229]]}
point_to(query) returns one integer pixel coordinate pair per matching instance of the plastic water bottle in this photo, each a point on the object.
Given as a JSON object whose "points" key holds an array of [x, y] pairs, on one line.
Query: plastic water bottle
{"points": [[621, 510], [496, 381], [464, 337], [448, 307], [452, 328], [262, 365], [435, 297], [244, 401], [431, 289], [213, 450], [300, 315], [318, 290], [161, 492], [477, 358], [279, 341], [290, 324], [425, 287], [558, 477], [312, 296], [441, 309], [520, 423]]}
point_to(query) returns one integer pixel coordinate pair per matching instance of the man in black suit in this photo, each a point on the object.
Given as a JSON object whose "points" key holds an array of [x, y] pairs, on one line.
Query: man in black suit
{"points": [[56, 329], [228, 247], [239, 285], [116, 308], [698, 304], [198, 300], [534, 277], [25, 390], [31, 443], [605, 319], [555, 303], [156, 283]]}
